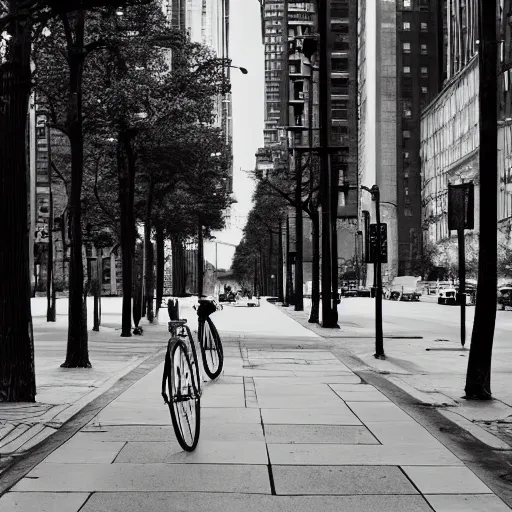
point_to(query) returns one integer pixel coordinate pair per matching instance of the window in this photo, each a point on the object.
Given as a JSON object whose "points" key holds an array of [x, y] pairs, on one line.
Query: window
{"points": [[340, 109], [407, 108], [406, 134], [424, 90], [406, 190], [407, 26], [406, 155], [407, 4], [424, 71], [407, 69], [424, 49], [406, 47], [424, 26]]}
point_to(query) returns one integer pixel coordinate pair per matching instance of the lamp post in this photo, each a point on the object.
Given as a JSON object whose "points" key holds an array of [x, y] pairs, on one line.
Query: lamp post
{"points": [[379, 339]]}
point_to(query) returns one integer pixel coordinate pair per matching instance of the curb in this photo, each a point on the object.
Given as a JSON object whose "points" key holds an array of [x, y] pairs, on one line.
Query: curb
{"points": [[435, 399], [23, 440]]}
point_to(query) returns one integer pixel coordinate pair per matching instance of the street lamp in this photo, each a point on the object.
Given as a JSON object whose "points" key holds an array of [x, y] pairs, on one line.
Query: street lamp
{"points": [[379, 339]]}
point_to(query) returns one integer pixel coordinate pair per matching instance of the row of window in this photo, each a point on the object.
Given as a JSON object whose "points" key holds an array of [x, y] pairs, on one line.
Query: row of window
{"points": [[423, 70], [422, 5], [406, 26], [406, 48]]}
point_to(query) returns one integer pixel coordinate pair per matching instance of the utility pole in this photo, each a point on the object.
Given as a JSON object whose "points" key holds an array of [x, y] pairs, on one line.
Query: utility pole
{"points": [[379, 338], [328, 319], [478, 377]]}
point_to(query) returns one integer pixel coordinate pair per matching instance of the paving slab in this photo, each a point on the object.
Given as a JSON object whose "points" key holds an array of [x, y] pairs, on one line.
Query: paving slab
{"points": [[228, 432], [378, 411], [310, 434], [42, 501], [360, 455], [207, 452], [77, 451], [310, 379], [351, 387], [279, 389], [401, 432], [362, 396], [298, 401], [466, 503], [212, 502], [144, 413], [222, 401], [446, 480], [340, 480], [342, 415], [146, 477]]}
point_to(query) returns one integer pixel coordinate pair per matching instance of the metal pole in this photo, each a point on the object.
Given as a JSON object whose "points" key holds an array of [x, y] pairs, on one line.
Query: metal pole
{"points": [[299, 272], [325, 185], [50, 284], [462, 285], [200, 263], [379, 339], [217, 290]]}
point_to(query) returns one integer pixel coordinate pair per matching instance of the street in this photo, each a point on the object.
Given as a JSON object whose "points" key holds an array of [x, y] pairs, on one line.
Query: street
{"points": [[287, 426]]}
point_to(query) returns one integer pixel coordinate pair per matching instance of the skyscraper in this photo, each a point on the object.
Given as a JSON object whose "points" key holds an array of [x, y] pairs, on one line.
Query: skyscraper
{"points": [[399, 73]]}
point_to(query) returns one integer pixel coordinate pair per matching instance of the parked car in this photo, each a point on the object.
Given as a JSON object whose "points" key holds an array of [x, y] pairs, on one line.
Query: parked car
{"points": [[505, 297], [448, 296], [403, 288]]}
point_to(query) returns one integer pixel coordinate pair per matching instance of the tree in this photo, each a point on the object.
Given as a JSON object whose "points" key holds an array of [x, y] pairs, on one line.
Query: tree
{"points": [[18, 18], [284, 184]]}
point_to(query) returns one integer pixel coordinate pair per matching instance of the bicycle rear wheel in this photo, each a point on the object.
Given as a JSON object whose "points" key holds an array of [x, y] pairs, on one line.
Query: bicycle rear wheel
{"points": [[184, 397], [211, 348]]}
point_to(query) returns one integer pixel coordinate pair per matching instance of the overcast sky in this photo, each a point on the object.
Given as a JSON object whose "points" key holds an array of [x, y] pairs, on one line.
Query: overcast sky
{"points": [[246, 49]]}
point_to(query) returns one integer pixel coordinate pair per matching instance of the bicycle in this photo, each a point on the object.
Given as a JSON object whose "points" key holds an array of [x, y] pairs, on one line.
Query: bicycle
{"points": [[181, 380]]}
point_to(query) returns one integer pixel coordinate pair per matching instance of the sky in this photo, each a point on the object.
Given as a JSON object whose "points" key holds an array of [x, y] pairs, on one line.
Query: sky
{"points": [[246, 50]]}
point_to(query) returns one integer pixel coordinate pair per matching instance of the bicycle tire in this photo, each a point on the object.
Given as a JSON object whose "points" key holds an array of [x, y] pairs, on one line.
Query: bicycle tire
{"points": [[184, 397], [211, 348], [189, 342]]}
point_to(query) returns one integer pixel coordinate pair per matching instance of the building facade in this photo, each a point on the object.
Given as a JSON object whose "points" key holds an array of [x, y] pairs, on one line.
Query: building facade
{"points": [[450, 133], [399, 72]]}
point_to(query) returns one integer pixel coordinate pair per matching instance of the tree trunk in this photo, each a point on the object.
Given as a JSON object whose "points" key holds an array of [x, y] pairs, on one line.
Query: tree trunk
{"points": [[126, 178], [478, 378], [17, 376], [150, 285], [178, 267], [77, 354], [314, 316], [160, 267]]}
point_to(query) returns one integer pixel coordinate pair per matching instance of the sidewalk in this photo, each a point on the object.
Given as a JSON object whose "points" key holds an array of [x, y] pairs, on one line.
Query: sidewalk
{"points": [[432, 373], [62, 393], [283, 429]]}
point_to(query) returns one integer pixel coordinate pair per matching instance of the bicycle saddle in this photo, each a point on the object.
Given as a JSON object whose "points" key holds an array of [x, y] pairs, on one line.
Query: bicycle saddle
{"points": [[176, 323]]}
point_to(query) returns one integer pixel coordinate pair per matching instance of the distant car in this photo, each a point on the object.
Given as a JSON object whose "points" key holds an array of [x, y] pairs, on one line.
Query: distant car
{"points": [[505, 297], [448, 296], [227, 297], [403, 288]]}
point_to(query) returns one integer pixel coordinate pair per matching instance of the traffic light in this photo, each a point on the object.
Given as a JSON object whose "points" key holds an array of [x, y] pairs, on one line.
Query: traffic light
{"points": [[372, 253]]}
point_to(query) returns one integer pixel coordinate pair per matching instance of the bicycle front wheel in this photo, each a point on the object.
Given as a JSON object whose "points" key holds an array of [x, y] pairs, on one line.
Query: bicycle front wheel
{"points": [[184, 399], [211, 348]]}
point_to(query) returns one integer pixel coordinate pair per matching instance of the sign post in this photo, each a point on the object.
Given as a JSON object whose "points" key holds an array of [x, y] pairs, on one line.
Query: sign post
{"points": [[461, 217]]}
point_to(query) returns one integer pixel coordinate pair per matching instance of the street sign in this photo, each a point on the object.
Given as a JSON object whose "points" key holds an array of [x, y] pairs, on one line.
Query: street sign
{"points": [[461, 206], [372, 253]]}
